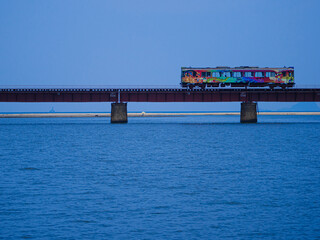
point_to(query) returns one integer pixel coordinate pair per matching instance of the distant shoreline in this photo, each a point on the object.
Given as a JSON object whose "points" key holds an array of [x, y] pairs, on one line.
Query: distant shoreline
{"points": [[144, 114]]}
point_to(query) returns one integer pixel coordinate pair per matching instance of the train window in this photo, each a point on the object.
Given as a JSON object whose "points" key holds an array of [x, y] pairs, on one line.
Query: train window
{"points": [[203, 74], [258, 74], [208, 74], [216, 74], [248, 74], [236, 74], [284, 74], [272, 74], [267, 74], [184, 73], [226, 74]]}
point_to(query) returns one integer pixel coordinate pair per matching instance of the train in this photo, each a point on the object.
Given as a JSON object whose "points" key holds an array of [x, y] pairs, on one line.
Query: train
{"points": [[243, 76]]}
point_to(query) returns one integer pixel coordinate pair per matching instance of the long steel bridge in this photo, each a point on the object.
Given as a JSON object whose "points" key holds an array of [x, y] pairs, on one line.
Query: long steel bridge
{"points": [[121, 96], [159, 95]]}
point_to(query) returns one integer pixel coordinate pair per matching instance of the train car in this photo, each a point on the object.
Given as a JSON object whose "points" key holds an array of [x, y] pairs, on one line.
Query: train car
{"points": [[243, 76]]}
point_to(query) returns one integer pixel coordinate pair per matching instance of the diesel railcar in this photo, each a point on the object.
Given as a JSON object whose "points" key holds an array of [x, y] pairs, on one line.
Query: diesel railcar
{"points": [[243, 76]]}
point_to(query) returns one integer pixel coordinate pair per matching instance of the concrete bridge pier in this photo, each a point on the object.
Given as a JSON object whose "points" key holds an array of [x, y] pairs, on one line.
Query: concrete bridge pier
{"points": [[248, 112], [119, 113]]}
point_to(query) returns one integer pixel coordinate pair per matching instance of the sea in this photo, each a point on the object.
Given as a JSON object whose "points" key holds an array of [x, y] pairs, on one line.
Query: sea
{"points": [[194, 177]]}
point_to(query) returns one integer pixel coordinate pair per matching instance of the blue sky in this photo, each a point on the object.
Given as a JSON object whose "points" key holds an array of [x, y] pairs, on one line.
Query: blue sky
{"points": [[146, 43]]}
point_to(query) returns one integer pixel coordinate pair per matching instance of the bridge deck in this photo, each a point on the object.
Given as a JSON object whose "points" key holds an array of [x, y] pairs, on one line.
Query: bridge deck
{"points": [[158, 95]]}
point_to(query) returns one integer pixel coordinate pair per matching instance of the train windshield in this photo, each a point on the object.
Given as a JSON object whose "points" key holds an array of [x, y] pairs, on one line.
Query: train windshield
{"points": [[189, 73]]}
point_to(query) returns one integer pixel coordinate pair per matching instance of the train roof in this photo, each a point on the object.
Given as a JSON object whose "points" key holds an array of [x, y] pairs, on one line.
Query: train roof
{"points": [[238, 68]]}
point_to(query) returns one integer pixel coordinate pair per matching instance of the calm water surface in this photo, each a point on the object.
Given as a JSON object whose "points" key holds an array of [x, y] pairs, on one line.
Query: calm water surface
{"points": [[160, 178]]}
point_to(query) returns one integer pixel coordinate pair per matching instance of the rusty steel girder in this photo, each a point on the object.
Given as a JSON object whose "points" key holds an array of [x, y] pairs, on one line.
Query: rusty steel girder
{"points": [[158, 95]]}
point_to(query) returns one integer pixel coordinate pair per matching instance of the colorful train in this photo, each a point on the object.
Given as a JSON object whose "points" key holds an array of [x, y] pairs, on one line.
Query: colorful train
{"points": [[243, 76]]}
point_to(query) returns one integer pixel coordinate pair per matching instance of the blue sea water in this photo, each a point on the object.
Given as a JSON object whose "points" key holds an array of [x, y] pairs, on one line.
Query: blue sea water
{"points": [[204, 177]]}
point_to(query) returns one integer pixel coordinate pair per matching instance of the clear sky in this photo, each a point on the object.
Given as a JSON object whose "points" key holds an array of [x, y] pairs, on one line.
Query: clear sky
{"points": [[135, 42]]}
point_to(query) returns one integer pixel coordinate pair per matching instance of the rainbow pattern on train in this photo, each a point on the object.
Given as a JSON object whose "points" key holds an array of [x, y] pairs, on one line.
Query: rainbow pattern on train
{"points": [[237, 77]]}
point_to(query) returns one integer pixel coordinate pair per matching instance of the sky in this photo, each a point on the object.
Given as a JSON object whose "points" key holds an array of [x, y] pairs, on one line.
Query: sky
{"points": [[145, 43]]}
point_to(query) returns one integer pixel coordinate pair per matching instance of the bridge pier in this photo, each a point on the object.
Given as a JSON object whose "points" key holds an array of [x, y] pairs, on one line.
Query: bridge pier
{"points": [[119, 113], [248, 112]]}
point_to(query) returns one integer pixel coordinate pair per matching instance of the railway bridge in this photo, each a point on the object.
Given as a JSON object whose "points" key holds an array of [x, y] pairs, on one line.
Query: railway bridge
{"points": [[119, 97]]}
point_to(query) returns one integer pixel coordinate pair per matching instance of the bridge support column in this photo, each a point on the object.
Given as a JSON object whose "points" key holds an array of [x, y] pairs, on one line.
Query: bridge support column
{"points": [[119, 113], [248, 112]]}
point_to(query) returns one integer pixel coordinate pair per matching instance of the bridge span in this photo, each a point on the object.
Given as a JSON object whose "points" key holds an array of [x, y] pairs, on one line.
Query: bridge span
{"points": [[121, 96]]}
